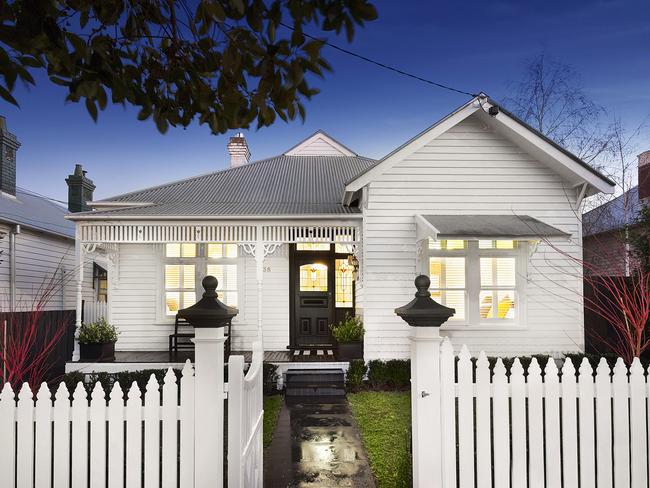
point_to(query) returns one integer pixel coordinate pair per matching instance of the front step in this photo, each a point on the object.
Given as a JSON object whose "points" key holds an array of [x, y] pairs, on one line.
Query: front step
{"points": [[315, 382]]}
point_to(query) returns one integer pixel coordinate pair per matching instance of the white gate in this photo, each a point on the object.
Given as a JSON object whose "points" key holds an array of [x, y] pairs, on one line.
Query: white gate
{"points": [[245, 421]]}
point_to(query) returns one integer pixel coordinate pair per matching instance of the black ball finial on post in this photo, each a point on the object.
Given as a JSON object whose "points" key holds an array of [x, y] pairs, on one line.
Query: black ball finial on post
{"points": [[209, 311], [210, 284], [424, 311], [422, 284]]}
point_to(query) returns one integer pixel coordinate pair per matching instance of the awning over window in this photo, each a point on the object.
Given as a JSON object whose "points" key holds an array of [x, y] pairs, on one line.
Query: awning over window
{"points": [[516, 227]]}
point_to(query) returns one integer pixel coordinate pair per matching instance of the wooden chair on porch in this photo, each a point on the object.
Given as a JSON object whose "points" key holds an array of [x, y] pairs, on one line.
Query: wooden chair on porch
{"points": [[185, 342]]}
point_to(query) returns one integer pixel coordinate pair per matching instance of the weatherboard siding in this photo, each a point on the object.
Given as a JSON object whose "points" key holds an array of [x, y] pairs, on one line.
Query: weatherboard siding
{"points": [[43, 262], [470, 170], [136, 301]]}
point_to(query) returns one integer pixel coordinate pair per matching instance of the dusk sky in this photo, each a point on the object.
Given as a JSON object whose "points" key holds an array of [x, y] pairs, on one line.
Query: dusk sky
{"points": [[473, 46]]}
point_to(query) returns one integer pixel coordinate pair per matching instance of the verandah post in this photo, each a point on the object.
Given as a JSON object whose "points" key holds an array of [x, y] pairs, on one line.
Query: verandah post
{"points": [[425, 316]]}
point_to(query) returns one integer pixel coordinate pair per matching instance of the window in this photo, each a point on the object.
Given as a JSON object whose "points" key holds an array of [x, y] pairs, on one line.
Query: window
{"points": [[480, 279], [448, 283], [100, 283], [344, 282], [312, 246], [313, 277], [218, 251], [180, 287], [185, 266], [497, 296], [176, 250]]}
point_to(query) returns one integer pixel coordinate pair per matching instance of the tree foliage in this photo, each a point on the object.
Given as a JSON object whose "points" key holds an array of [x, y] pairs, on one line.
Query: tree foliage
{"points": [[550, 97], [227, 63]]}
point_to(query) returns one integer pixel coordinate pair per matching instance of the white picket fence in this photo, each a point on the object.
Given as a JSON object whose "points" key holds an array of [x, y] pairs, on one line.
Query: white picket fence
{"points": [[245, 421], [539, 428], [146, 441], [93, 311]]}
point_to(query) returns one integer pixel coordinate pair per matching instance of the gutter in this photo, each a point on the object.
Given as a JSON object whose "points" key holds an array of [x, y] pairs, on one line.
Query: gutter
{"points": [[185, 218]]}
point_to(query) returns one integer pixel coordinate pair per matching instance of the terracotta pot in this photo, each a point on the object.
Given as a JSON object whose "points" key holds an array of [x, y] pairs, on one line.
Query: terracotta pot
{"points": [[347, 351], [100, 353]]}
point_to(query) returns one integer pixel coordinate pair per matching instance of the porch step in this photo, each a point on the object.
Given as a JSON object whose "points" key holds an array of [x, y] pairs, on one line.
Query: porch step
{"points": [[315, 382]]}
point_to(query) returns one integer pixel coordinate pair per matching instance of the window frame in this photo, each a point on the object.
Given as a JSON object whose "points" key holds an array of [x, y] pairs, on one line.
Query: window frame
{"points": [[200, 263], [473, 254]]}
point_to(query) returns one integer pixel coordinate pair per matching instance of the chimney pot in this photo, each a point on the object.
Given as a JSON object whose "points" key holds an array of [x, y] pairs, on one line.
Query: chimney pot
{"points": [[238, 149], [8, 146], [644, 175], [80, 190]]}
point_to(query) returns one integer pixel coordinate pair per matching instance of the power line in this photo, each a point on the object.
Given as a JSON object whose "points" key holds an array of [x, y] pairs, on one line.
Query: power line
{"points": [[382, 65], [41, 195]]}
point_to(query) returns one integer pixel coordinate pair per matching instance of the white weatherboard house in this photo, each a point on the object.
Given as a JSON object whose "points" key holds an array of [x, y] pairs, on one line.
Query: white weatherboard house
{"points": [[484, 204]]}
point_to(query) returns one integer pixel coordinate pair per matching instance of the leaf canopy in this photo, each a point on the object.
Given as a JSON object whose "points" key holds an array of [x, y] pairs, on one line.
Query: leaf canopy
{"points": [[225, 63]]}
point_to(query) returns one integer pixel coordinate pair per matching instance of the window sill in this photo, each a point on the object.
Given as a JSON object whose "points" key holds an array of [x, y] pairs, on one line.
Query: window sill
{"points": [[483, 327]]}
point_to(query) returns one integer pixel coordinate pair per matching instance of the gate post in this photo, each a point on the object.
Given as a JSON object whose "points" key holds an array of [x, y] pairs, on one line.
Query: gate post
{"points": [[425, 316], [208, 316]]}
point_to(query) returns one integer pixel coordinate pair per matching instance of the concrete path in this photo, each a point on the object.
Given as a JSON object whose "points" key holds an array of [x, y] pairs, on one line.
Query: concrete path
{"points": [[316, 444]]}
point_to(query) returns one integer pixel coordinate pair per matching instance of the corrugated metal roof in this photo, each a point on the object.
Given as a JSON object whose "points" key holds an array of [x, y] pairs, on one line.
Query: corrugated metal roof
{"points": [[282, 185], [36, 212], [208, 209], [492, 226], [613, 215]]}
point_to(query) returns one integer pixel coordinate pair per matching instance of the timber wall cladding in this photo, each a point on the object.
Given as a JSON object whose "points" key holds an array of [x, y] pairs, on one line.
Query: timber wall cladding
{"points": [[470, 170]]}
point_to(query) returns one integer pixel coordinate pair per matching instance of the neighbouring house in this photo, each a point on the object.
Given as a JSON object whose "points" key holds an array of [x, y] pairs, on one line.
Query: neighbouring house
{"points": [[480, 201], [605, 228], [37, 243]]}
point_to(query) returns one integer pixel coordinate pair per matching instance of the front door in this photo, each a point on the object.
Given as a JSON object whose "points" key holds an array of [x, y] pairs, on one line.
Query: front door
{"points": [[313, 291]]}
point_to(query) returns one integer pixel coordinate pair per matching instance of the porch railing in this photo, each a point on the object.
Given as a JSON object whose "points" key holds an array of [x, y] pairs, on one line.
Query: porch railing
{"points": [[94, 311]]}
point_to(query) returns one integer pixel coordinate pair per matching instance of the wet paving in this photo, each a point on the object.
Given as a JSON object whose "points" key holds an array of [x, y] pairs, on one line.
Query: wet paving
{"points": [[316, 444]]}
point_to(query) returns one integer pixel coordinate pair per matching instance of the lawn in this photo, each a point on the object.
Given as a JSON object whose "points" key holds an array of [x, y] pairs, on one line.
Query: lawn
{"points": [[384, 420], [272, 406]]}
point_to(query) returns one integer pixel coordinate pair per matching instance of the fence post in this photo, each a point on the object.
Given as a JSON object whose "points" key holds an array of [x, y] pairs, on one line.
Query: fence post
{"points": [[208, 316], [425, 407], [208, 410], [425, 316]]}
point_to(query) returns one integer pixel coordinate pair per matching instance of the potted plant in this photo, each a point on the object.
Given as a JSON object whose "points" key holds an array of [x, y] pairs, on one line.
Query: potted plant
{"points": [[349, 337], [97, 341]]}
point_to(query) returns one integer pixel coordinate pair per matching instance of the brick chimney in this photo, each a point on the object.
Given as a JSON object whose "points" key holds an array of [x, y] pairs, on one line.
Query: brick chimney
{"points": [[80, 190], [8, 147], [644, 175], [239, 152]]}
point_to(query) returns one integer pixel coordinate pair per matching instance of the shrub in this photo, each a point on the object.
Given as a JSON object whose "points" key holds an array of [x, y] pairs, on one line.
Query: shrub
{"points": [[350, 329], [392, 374], [100, 332], [124, 378], [356, 373], [270, 375]]}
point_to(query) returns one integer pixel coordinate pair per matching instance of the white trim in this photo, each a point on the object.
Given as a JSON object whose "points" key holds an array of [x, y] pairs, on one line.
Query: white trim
{"points": [[151, 232], [296, 150], [200, 263], [505, 121], [574, 167], [472, 252], [413, 145], [101, 204], [217, 218]]}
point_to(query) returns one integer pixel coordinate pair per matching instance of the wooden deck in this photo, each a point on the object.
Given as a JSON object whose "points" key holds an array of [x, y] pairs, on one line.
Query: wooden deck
{"points": [[182, 356], [139, 360]]}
